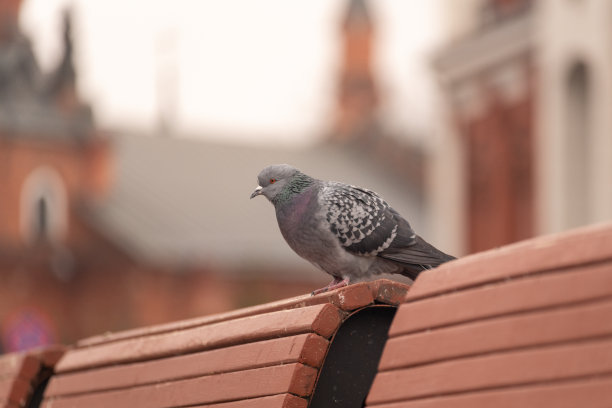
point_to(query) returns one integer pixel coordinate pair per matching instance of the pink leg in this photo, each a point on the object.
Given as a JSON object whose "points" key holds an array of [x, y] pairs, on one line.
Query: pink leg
{"points": [[335, 284]]}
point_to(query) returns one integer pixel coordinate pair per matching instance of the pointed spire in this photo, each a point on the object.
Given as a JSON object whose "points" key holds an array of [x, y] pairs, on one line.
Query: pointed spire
{"points": [[65, 74]]}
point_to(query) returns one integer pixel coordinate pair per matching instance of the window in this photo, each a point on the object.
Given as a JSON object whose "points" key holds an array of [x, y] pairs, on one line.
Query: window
{"points": [[43, 209]]}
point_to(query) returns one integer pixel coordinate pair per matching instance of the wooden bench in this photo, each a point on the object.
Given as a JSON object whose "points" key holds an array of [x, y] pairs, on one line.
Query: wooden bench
{"points": [[23, 376], [528, 325], [290, 353], [525, 325]]}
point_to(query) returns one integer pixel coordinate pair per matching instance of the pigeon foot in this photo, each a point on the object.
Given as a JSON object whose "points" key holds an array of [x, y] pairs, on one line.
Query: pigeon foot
{"points": [[335, 284]]}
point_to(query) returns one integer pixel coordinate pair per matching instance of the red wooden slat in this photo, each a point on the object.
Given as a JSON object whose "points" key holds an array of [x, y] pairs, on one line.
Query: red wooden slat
{"points": [[6, 385], [494, 371], [18, 365], [590, 393], [572, 323], [296, 379], [308, 349], [8, 404], [320, 319], [15, 390], [276, 401], [580, 246], [388, 292], [576, 285], [19, 374], [349, 298], [49, 355]]}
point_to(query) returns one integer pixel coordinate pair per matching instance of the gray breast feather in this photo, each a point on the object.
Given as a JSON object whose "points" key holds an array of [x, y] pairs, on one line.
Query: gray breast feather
{"points": [[361, 220]]}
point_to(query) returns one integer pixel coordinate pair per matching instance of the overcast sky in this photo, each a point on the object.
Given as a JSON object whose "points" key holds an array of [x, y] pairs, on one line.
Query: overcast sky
{"points": [[241, 69]]}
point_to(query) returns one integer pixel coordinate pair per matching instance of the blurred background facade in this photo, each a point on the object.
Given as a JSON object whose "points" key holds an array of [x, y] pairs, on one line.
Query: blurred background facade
{"points": [[111, 229], [526, 146]]}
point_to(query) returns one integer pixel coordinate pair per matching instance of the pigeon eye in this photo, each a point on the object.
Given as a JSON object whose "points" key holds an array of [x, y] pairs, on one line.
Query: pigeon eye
{"points": [[272, 180]]}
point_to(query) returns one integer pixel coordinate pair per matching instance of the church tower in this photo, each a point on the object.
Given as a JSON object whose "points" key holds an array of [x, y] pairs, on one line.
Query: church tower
{"points": [[357, 93], [52, 157]]}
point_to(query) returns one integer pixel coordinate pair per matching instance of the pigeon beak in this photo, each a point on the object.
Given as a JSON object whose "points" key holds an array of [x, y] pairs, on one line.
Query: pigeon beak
{"points": [[257, 191]]}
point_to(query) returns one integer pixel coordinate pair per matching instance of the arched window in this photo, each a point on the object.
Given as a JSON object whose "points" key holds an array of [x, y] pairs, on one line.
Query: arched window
{"points": [[43, 209], [577, 144]]}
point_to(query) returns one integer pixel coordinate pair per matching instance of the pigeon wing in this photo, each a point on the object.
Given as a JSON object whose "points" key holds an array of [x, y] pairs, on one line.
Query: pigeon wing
{"points": [[361, 220], [366, 225]]}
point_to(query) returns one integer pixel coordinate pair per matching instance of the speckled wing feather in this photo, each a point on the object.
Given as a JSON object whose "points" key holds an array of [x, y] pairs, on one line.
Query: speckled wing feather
{"points": [[366, 225], [363, 222]]}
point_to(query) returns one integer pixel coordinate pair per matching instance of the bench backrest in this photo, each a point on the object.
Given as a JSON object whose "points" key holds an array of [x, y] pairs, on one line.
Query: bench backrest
{"points": [[525, 325]]}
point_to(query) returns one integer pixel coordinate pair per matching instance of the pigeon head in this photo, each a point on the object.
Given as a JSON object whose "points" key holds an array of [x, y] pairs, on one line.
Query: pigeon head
{"points": [[273, 180]]}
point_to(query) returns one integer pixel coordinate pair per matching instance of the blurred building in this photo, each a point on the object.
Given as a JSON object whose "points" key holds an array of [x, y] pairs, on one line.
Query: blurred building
{"points": [[525, 145], [356, 114], [52, 161], [66, 273], [104, 232], [356, 119]]}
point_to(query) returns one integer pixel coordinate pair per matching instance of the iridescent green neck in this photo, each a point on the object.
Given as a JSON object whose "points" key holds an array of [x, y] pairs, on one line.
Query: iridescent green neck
{"points": [[297, 185]]}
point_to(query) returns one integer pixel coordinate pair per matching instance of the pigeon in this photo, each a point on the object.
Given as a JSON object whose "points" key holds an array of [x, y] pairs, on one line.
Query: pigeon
{"points": [[349, 232]]}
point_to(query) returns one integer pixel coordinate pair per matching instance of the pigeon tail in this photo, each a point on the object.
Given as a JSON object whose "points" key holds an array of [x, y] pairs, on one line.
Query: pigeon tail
{"points": [[417, 257]]}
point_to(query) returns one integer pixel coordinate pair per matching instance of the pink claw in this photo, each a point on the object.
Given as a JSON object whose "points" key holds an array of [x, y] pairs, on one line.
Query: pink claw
{"points": [[335, 284]]}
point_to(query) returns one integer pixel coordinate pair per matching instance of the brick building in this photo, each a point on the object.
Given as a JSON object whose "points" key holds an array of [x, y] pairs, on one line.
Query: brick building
{"points": [[525, 146], [356, 121], [111, 231], [62, 276], [356, 113]]}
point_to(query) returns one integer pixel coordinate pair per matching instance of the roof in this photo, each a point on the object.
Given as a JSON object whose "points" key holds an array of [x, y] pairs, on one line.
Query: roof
{"points": [[41, 120], [186, 201], [28, 97]]}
